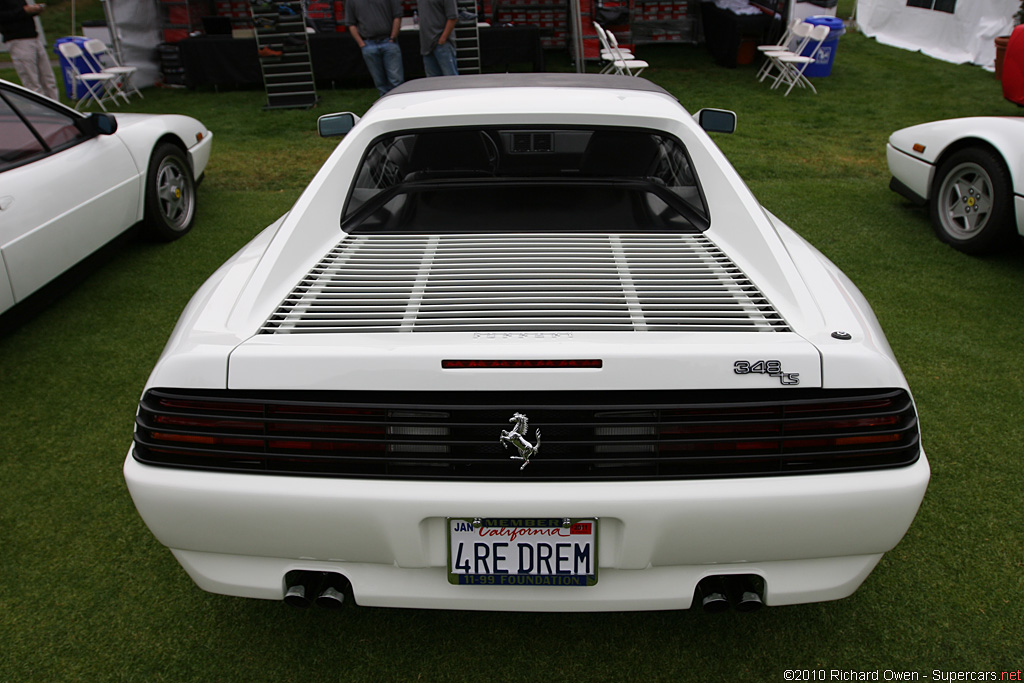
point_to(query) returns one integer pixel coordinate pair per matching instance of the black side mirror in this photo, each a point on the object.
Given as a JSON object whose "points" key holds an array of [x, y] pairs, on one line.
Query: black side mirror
{"points": [[97, 124], [717, 120], [336, 125]]}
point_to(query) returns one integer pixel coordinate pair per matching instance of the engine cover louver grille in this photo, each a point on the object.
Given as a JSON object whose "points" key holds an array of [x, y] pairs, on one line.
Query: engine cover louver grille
{"points": [[585, 436], [525, 282]]}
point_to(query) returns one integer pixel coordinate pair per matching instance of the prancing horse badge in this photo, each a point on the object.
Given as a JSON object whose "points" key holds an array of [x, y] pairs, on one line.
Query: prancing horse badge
{"points": [[517, 437]]}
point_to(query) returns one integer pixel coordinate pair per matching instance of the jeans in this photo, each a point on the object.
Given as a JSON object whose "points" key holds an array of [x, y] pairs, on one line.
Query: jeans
{"points": [[441, 61], [384, 60]]}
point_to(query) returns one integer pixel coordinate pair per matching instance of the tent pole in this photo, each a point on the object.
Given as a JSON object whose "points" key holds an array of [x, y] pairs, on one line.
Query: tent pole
{"points": [[115, 38], [577, 36]]}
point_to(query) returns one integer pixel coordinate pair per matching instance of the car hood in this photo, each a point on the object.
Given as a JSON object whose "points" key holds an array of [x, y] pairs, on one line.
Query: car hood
{"points": [[529, 311]]}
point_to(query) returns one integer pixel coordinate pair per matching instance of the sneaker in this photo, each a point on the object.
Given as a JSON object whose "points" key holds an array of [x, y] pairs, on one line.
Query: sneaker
{"points": [[267, 51]]}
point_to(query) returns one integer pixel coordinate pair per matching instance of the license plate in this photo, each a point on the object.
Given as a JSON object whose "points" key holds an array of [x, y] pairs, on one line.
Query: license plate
{"points": [[522, 551]]}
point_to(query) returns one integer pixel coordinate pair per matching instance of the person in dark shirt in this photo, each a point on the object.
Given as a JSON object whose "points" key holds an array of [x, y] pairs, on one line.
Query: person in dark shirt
{"points": [[437, 21], [374, 24], [31, 62]]}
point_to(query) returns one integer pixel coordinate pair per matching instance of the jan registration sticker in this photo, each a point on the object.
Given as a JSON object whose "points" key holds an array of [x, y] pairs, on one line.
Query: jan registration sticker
{"points": [[522, 551]]}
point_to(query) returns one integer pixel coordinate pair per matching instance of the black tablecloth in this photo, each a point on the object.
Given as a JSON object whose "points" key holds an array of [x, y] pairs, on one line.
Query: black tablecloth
{"points": [[725, 30], [227, 61]]}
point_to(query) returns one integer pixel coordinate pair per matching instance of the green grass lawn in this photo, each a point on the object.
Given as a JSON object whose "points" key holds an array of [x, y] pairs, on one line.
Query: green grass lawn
{"points": [[86, 593]]}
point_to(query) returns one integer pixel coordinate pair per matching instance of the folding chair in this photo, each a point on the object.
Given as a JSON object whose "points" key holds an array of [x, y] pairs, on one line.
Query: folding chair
{"points": [[618, 62], [799, 38], [781, 46], [606, 53], [794, 65], [98, 86], [104, 61]]}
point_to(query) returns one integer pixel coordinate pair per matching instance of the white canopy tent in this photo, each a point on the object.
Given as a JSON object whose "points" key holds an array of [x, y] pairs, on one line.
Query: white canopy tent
{"points": [[958, 31], [134, 34]]}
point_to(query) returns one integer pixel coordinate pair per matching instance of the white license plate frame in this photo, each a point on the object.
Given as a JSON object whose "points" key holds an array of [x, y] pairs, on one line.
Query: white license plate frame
{"points": [[522, 551]]}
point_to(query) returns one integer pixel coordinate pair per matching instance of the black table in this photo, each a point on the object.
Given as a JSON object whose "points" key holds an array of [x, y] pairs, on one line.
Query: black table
{"points": [[223, 61], [725, 30]]}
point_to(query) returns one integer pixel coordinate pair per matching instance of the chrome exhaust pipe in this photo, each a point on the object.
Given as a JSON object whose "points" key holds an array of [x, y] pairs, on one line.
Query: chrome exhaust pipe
{"points": [[330, 598], [328, 588], [712, 594], [749, 601], [717, 593], [749, 591], [296, 596]]}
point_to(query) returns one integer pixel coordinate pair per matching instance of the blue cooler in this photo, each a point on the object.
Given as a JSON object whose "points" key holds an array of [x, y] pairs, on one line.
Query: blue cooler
{"points": [[74, 91], [823, 64]]}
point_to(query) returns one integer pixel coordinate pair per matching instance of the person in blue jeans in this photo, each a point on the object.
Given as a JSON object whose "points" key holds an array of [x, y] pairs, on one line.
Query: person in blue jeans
{"points": [[374, 24], [437, 21]]}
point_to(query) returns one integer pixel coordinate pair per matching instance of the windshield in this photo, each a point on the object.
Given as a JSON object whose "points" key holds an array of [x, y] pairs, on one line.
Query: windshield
{"points": [[518, 179]]}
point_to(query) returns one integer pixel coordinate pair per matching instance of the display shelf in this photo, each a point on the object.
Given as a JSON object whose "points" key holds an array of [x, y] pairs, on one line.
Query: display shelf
{"points": [[662, 21], [551, 17], [181, 18], [283, 49]]}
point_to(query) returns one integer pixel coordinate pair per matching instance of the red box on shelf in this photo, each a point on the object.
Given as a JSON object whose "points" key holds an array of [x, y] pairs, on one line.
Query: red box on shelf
{"points": [[173, 35]]}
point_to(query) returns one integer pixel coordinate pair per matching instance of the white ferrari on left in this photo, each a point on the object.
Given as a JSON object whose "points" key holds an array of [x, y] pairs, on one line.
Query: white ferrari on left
{"points": [[70, 183]]}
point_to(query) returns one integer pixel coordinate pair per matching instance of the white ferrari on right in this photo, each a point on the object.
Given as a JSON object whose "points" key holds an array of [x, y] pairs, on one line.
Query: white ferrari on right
{"points": [[969, 172]]}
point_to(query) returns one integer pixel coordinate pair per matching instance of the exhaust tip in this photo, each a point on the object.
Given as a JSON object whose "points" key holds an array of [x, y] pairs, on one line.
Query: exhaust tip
{"points": [[324, 589], [296, 596], [718, 593], [331, 598], [715, 603], [713, 595], [749, 601]]}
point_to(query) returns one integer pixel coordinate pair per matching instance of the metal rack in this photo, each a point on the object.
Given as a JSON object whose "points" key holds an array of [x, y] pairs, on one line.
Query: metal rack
{"points": [[660, 21], [284, 54], [467, 37]]}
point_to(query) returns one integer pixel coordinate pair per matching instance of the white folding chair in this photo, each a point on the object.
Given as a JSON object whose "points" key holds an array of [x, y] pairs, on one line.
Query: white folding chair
{"points": [[781, 46], [99, 87], [798, 40], [794, 65], [607, 55], [104, 61], [618, 62]]}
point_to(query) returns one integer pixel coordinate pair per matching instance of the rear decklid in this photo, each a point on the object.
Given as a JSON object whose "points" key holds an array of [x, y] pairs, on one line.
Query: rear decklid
{"points": [[525, 311]]}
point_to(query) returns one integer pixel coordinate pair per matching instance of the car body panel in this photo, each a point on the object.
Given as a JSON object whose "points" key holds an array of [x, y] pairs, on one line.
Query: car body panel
{"points": [[95, 188]]}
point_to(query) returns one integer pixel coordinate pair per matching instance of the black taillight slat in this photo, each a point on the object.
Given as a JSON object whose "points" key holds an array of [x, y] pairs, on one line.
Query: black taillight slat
{"points": [[587, 435]]}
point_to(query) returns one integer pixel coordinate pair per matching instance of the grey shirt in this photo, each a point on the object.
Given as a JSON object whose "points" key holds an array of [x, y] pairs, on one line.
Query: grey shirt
{"points": [[434, 14], [373, 18]]}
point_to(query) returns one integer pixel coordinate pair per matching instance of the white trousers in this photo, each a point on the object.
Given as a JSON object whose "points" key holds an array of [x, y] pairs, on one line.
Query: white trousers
{"points": [[33, 66]]}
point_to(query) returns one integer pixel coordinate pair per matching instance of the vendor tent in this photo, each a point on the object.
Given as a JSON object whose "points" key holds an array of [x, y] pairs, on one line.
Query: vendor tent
{"points": [[136, 28], [957, 31]]}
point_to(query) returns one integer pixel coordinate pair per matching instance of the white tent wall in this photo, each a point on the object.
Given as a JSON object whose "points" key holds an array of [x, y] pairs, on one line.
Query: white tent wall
{"points": [[965, 35], [138, 25]]}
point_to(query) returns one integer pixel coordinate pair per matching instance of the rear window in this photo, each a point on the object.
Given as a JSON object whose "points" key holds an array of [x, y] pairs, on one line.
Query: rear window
{"points": [[526, 179]]}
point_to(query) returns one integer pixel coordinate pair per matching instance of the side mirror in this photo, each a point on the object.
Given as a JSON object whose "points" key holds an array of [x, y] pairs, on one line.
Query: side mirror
{"points": [[97, 124], [335, 125], [717, 120]]}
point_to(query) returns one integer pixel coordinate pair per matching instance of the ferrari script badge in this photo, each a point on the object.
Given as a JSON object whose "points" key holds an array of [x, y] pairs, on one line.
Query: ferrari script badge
{"points": [[517, 437]]}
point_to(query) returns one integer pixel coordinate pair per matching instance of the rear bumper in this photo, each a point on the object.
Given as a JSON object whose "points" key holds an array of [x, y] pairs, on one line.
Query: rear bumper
{"points": [[811, 538]]}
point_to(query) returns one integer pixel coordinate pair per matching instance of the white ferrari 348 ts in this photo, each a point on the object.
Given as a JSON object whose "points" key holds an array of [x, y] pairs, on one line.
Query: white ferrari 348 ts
{"points": [[970, 174], [70, 183], [528, 342]]}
